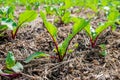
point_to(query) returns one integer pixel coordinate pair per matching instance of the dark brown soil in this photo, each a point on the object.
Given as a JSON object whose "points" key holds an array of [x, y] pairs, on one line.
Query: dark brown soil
{"points": [[84, 63]]}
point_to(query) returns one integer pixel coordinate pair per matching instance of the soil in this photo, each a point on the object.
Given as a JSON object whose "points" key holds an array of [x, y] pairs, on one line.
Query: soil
{"points": [[84, 63]]}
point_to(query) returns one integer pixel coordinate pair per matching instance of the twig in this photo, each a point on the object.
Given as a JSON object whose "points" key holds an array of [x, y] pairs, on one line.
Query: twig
{"points": [[29, 76], [65, 62]]}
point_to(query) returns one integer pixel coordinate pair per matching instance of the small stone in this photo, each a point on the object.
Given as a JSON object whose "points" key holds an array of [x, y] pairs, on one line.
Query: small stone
{"points": [[95, 62]]}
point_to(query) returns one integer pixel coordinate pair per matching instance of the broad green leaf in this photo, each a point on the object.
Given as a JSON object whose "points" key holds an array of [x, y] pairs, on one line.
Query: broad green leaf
{"points": [[68, 4], [102, 27], [113, 16], [10, 10], [1, 12], [7, 11], [50, 27], [66, 17], [43, 16], [87, 29], [10, 60], [63, 47], [9, 23], [78, 26], [36, 55], [27, 16], [114, 26], [3, 27], [93, 4], [23, 1], [93, 33], [118, 20], [49, 9], [18, 67], [104, 2]]}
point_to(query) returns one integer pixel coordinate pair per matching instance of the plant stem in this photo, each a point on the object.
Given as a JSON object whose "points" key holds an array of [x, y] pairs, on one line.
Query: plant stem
{"points": [[56, 46], [93, 42], [14, 35]]}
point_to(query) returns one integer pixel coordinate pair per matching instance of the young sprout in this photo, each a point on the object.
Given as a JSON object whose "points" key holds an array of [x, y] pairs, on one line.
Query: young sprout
{"points": [[7, 12], [9, 24], [95, 33], [103, 49], [62, 48], [12, 68]]}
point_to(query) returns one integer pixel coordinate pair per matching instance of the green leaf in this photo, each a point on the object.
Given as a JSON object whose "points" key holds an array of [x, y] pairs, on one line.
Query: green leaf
{"points": [[87, 29], [102, 27], [78, 26], [90, 32], [1, 12], [8, 71], [93, 33], [50, 27], [103, 49], [27, 16], [104, 53], [92, 4], [114, 26], [7, 12], [63, 47], [102, 46], [18, 67], [3, 27], [113, 16], [66, 17], [68, 4], [10, 10], [36, 55], [10, 60], [9, 23], [70, 51], [43, 16]]}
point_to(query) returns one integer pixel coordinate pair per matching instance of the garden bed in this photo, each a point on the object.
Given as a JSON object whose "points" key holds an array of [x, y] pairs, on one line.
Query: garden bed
{"points": [[82, 62]]}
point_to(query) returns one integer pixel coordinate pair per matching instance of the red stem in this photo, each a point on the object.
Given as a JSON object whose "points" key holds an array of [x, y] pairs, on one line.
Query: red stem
{"points": [[56, 46], [14, 35], [67, 48], [93, 42]]}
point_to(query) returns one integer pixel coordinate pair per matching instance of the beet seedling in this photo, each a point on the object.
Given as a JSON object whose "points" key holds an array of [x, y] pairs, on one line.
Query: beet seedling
{"points": [[12, 68], [103, 49], [95, 33], [52, 30], [7, 12], [63, 47], [9, 24]]}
